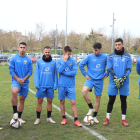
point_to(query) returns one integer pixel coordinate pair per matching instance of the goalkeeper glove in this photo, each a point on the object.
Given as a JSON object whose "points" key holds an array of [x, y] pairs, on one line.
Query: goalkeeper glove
{"points": [[117, 83], [121, 80]]}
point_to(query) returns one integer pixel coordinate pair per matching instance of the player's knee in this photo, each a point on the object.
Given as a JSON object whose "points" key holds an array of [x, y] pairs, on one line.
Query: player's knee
{"points": [[62, 102], [84, 91], [98, 98], [73, 102], [40, 101], [49, 101]]}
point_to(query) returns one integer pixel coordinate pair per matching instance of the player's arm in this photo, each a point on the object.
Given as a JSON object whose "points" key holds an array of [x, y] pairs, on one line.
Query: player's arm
{"points": [[82, 65], [138, 66], [110, 67], [36, 76], [73, 71], [55, 79], [60, 66]]}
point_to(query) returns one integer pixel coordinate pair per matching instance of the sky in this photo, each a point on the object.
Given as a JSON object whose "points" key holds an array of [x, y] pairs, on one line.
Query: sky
{"points": [[82, 15]]}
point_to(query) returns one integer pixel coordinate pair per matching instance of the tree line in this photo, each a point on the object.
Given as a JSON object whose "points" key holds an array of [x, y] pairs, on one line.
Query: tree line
{"points": [[83, 42]]}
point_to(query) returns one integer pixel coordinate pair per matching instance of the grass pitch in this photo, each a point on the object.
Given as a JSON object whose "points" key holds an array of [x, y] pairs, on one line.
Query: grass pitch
{"points": [[114, 131]]}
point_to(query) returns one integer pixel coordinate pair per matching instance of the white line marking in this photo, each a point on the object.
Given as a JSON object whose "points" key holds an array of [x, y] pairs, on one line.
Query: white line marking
{"points": [[5, 81], [86, 128]]}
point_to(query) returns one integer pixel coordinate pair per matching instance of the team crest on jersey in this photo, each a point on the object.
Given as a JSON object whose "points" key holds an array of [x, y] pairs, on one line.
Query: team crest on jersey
{"points": [[70, 64], [102, 60], [51, 64], [25, 61]]}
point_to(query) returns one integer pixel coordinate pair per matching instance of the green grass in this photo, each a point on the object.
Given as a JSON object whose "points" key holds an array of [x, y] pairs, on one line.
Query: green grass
{"points": [[114, 131]]}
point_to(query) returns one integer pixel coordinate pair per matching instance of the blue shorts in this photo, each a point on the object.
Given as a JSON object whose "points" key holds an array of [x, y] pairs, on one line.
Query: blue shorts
{"points": [[113, 90], [97, 84], [45, 92], [23, 89], [66, 92]]}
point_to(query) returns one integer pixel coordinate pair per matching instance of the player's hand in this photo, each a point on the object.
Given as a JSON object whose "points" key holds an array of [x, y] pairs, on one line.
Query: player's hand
{"points": [[65, 57], [104, 78], [88, 77], [117, 83]]}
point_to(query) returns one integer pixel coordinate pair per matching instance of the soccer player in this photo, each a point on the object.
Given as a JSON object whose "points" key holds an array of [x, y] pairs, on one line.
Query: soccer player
{"points": [[119, 67], [20, 68], [46, 80], [138, 71], [67, 68], [96, 73]]}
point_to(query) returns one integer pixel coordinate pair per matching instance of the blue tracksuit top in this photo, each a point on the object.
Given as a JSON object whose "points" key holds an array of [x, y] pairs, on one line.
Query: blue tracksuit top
{"points": [[138, 68], [45, 74], [119, 65], [20, 66], [96, 65], [67, 71]]}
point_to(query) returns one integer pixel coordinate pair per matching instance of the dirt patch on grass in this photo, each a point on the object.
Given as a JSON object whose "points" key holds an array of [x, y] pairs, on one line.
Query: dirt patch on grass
{"points": [[35, 136]]}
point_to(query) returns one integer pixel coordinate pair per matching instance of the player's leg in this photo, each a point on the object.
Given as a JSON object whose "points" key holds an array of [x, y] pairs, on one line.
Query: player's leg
{"points": [[14, 100], [96, 107], [22, 96], [124, 92], [98, 88], [71, 94], [40, 96], [61, 97], [49, 110], [38, 110], [112, 92], [123, 108], [87, 87]]}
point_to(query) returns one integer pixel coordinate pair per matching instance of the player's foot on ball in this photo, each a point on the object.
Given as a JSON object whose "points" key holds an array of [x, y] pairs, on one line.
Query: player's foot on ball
{"points": [[90, 112], [125, 123], [77, 123], [15, 116], [64, 121], [22, 121], [37, 121], [106, 122], [95, 120], [50, 120]]}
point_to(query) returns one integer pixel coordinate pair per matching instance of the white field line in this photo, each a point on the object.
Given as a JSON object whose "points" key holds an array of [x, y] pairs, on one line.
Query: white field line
{"points": [[86, 128]]}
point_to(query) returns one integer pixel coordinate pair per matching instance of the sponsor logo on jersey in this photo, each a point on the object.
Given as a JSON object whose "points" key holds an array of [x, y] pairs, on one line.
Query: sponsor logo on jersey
{"points": [[25, 61], [42, 63], [18, 61], [116, 64], [47, 69], [93, 59], [98, 65], [67, 68]]}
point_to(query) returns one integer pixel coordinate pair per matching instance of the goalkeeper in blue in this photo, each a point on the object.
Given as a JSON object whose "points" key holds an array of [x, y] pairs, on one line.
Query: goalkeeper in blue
{"points": [[45, 79], [20, 68], [96, 73], [119, 67], [138, 71]]}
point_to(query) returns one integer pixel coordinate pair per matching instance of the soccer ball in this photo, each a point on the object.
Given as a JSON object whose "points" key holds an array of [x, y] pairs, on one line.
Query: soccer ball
{"points": [[15, 123], [88, 120]]}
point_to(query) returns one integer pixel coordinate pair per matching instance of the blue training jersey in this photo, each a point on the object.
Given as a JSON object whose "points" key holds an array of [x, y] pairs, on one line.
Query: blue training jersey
{"points": [[67, 71], [138, 68], [119, 66], [20, 66], [96, 66], [45, 74]]}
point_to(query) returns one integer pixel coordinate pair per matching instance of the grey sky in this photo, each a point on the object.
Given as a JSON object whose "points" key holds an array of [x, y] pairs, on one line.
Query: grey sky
{"points": [[83, 15]]}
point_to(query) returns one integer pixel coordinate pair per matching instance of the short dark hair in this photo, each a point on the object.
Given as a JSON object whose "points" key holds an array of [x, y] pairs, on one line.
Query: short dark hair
{"points": [[23, 43], [67, 49], [47, 47], [119, 40], [97, 45]]}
